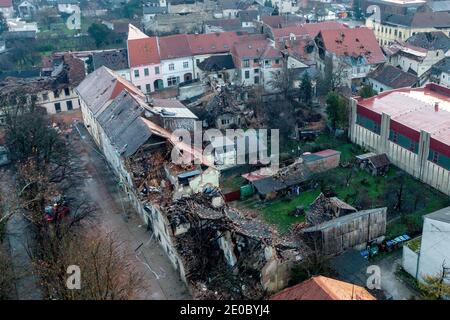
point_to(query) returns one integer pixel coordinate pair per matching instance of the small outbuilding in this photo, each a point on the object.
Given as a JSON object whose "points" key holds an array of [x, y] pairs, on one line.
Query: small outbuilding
{"points": [[376, 164]]}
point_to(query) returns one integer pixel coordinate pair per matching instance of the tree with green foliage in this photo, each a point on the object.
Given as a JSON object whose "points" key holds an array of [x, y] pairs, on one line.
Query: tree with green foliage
{"points": [[306, 89], [366, 92], [276, 11], [337, 111], [3, 24], [132, 9], [100, 33], [268, 3], [356, 8]]}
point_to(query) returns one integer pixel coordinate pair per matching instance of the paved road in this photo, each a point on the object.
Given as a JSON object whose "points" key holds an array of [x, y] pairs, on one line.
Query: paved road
{"points": [[161, 279], [351, 267]]}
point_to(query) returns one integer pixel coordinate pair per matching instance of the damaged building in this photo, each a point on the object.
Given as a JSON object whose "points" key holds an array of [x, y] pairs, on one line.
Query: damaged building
{"points": [[334, 226], [218, 251], [56, 92]]}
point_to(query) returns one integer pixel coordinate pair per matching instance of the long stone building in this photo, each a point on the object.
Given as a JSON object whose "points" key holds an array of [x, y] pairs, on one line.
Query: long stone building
{"points": [[412, 126]]}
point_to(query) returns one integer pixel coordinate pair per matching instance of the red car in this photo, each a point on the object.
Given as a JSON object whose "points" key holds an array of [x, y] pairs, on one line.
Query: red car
{"points": [[57, 211]]}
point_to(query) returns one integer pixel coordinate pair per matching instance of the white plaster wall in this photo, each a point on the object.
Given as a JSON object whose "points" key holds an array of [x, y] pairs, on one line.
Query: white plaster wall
{"points": [[409, 261], [435, 248]]}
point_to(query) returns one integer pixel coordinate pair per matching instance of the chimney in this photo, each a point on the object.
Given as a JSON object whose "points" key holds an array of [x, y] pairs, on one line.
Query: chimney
{"points": [[436, 106]]}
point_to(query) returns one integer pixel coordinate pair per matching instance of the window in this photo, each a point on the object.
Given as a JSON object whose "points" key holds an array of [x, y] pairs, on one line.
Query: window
{"points": [[246, 63], [69, 105], [368, 123], [256, 79], [136, 73], [139, 87], [146, 73], [156, 70], [58, 107], [197, 61], [186, 64], [247, 74], [255, 60], [172, 81], [171, 66], [256, 70], [45, 96], [56, 93], [440, 159], [147, 87], [400, 34], [395, 32], [267, 63], [433, 156], [277, 61]]}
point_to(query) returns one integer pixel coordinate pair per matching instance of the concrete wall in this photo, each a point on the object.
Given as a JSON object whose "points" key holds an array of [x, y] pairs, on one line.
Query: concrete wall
{"points": [[415, 164], [435, 248], [409, 261]]}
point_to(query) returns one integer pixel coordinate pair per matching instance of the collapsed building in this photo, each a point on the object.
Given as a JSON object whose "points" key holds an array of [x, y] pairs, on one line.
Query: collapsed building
{"points": [[219, 252], [334, 226], [55, 92], [269, 183]]}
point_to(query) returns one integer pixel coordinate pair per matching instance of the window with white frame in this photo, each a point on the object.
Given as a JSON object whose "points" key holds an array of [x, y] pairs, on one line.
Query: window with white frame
{"points": [[172, 81], [186, 64], [171, 67]]}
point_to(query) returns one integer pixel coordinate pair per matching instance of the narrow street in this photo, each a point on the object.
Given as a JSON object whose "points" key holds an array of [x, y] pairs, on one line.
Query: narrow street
{"points": [[17, 241], [101, 187], [351, 267]]}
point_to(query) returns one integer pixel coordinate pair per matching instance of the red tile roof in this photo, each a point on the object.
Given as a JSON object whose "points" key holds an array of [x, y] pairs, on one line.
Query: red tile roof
{"points": [[256, 48], [307, 29], [143, 51], [5, 3], [283, 21], [323, 288], [212, 42], [353, 42], [176, 46]]}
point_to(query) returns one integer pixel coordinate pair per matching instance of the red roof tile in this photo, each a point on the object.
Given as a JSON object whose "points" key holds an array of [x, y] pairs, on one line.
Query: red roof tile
{"points": [[5, 3], [176, 46], [143, 52], [256, 48], [353, 42], [212, 42], [323, 288], [307, 29]]}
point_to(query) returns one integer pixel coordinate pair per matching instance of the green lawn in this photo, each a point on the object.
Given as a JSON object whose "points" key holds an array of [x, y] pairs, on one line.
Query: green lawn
{"points": [[277, 212], [358, 188]]}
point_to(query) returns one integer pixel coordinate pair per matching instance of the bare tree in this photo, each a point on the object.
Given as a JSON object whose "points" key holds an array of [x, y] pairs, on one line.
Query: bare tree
{"points": [[107, 272]]}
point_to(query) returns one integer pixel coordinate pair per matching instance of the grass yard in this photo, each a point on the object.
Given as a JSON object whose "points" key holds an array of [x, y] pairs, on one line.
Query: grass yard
{"points": [[358, 188], [276, 212]]}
